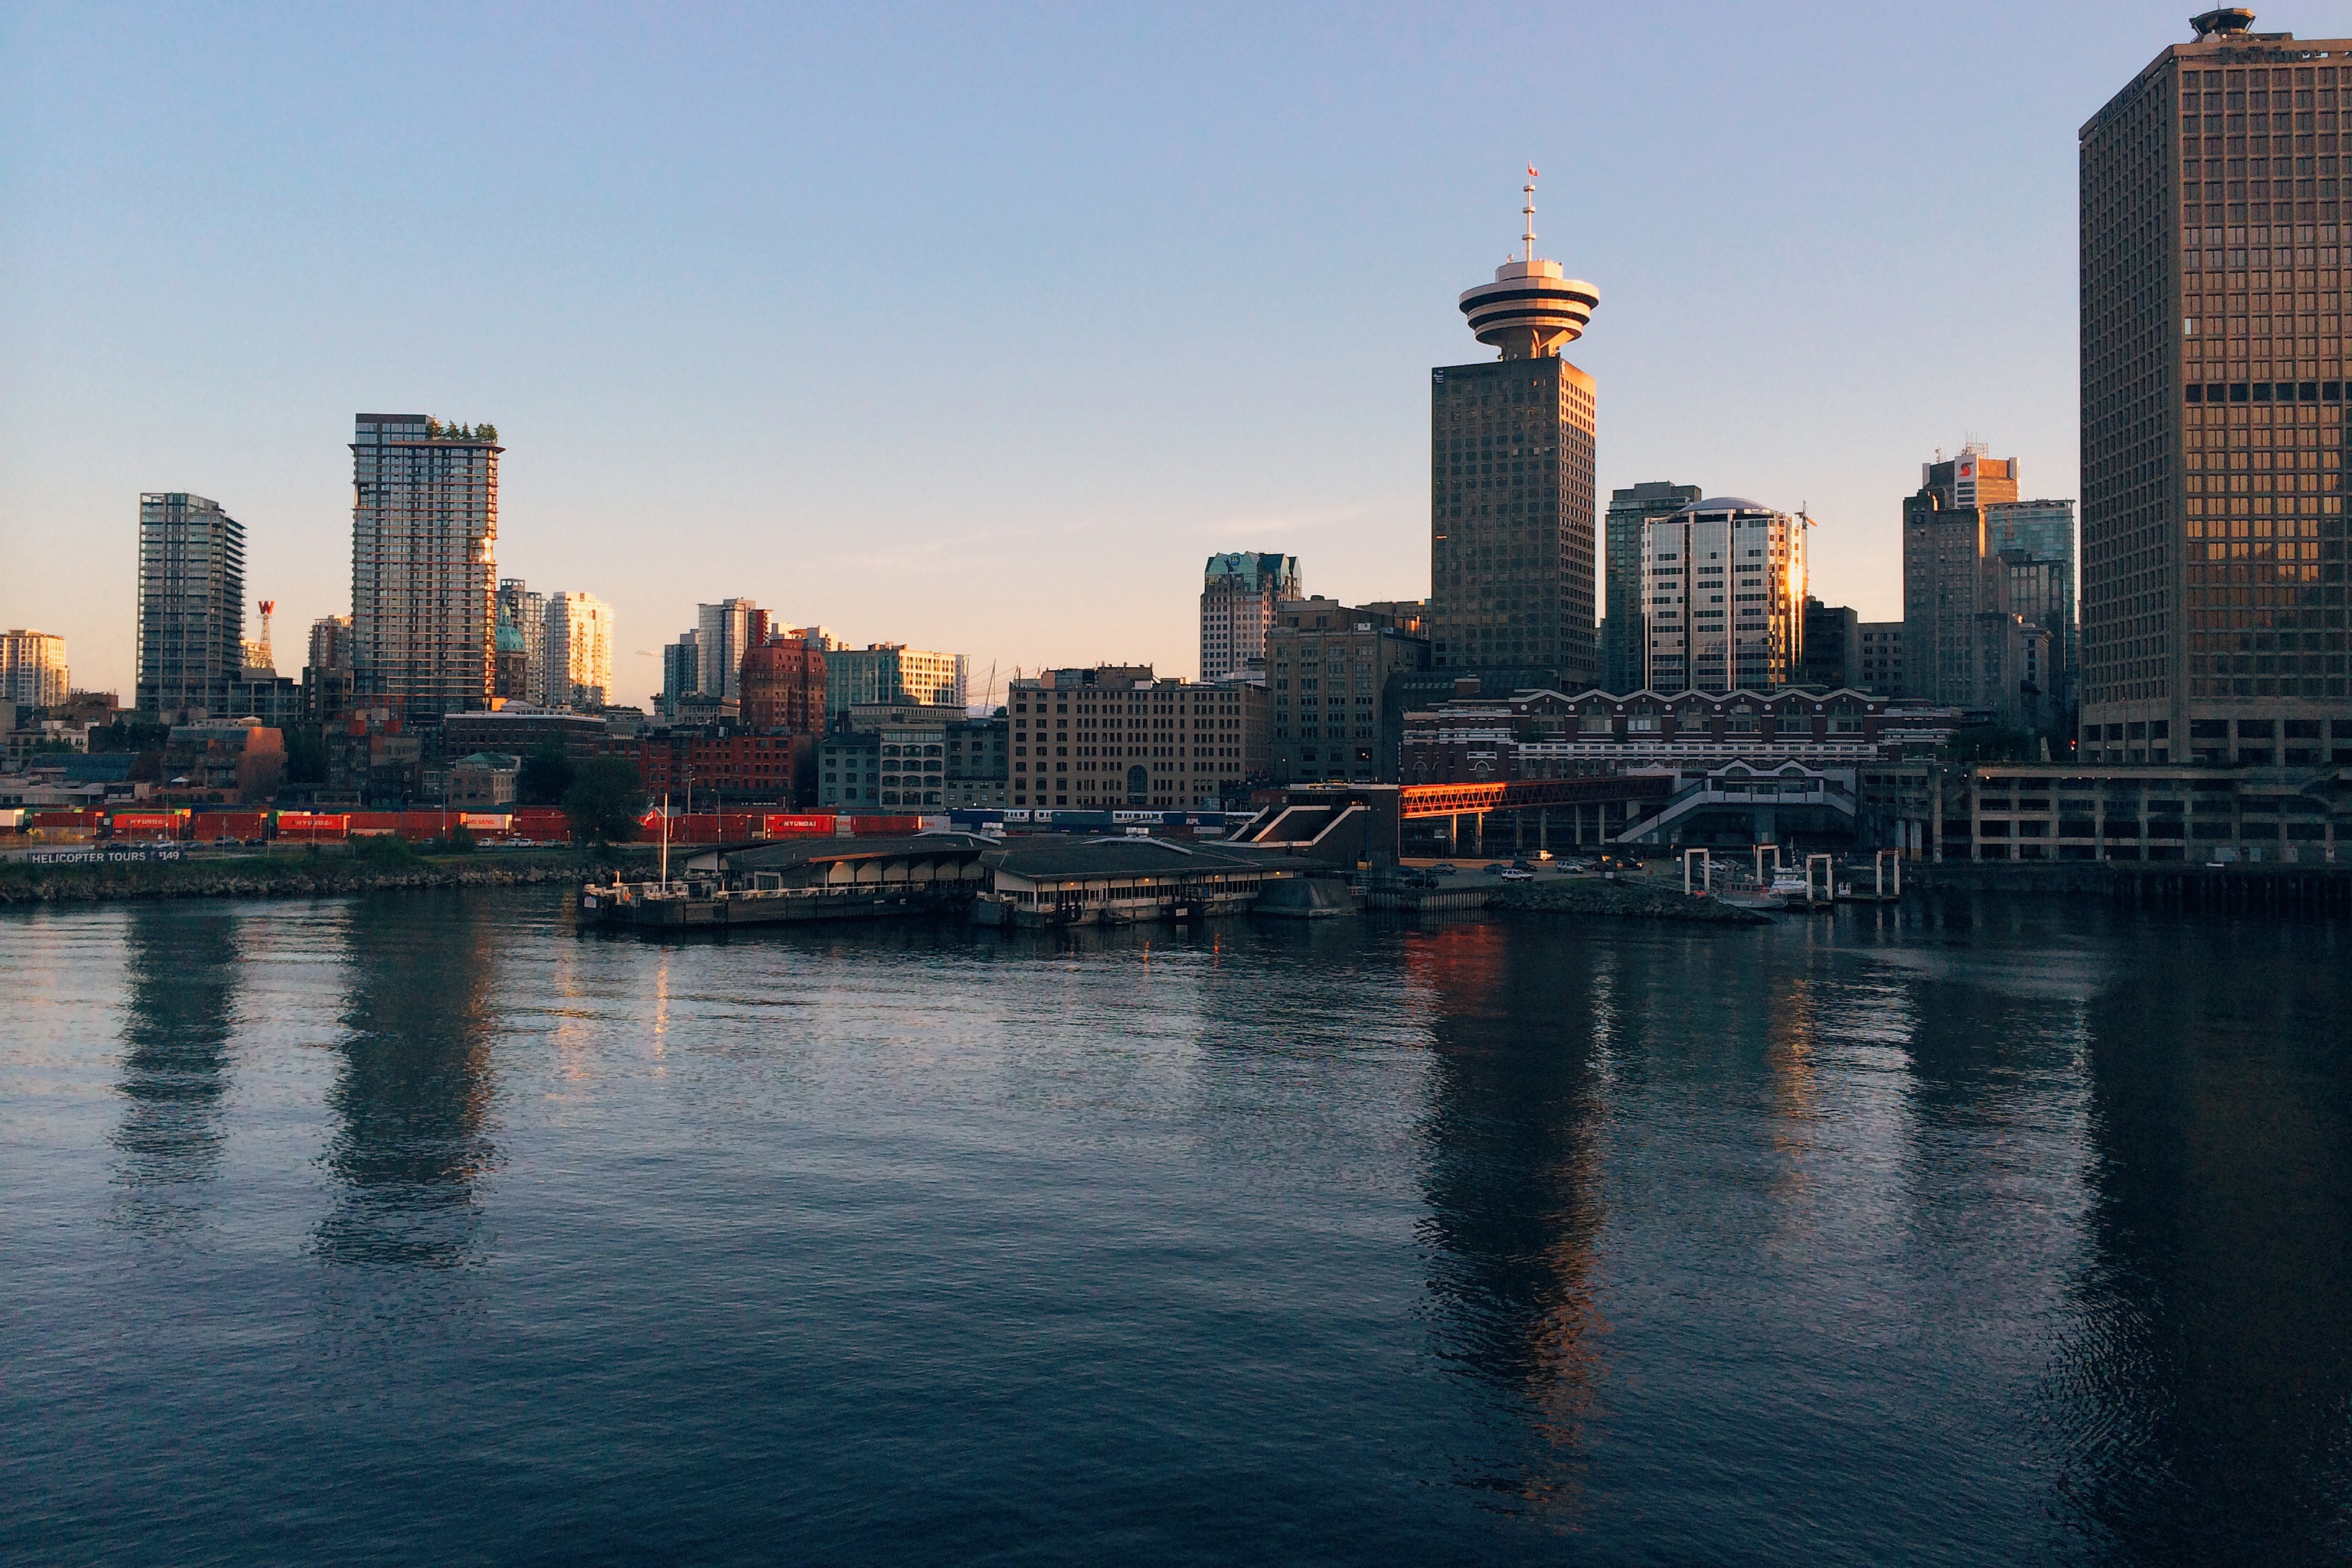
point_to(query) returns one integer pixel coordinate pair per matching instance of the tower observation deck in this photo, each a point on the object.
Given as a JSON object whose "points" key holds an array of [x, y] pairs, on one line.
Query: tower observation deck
{"points": [[1533, 308]]}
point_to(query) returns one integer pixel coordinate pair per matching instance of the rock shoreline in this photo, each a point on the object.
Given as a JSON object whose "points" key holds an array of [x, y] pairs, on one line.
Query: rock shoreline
{"points": [[21, 884], [1617, 899]]}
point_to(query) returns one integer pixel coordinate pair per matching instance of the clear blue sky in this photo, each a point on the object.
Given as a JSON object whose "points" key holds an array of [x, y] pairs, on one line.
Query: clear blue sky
{"points": [[978, 329]]}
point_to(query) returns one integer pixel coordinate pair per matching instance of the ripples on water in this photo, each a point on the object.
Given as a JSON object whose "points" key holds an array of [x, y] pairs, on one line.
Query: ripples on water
{"points": [[419, 1229]]}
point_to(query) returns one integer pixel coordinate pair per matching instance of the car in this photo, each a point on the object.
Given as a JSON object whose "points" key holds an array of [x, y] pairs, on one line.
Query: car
{"points": [[1521, 865], [1444, 868], [1516, 873]]}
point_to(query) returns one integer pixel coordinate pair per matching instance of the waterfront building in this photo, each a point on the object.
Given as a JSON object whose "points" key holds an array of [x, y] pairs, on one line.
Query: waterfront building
{"points": [[1113, 736], [425, 528], [980, 760], [1511, 480], [783, 682], [485, 780], [1333, 679], [721, 766], [722, 631], [579, 642], [2214, 613], [1726, 581], [893, 672], [33, 671], [1239, 591], [1832, 646], [191, 606], [1878, 657], [1624, 636], [849, 770], [2035, 543], [2182, 814]]}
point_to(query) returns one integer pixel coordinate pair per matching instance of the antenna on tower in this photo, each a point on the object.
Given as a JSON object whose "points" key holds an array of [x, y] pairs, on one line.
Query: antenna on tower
{"points": [[1529, 237]]}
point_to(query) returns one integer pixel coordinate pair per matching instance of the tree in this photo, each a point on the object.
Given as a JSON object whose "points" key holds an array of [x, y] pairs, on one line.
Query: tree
{"points": [[546, 773], [604, 800], [306, 754]]}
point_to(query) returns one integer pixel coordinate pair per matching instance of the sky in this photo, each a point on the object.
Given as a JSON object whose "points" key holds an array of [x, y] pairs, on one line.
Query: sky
{"points": [[979, 328]]}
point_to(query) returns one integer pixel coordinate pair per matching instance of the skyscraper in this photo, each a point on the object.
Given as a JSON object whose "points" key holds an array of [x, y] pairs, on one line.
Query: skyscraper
{"points": [[191, 606], [722, 631], [1238, 594], [525, 612], [425, 530], [579, 650], [1624, 639], [33, 668], [1511, 481], [1726, 579], [893, 672], [2035, 541], [681, 671], [2213, 599], [1963, 644]]}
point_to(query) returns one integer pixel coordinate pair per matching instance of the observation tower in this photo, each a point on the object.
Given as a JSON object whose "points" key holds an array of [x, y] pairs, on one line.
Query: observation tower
{"points": [[1533, 308]]}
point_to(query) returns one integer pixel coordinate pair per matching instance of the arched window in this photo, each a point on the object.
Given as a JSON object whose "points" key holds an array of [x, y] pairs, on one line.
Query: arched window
{"points": [[1138, 784]]}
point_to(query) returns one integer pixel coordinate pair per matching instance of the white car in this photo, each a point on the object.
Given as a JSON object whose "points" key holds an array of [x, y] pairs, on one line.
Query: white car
{"points": [[1513, 874]]}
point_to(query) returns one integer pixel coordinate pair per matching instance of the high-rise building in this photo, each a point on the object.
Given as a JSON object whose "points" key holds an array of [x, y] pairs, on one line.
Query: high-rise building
{"points": [[33, 668], [1624, 641], [722, 631], [1964, 645], [783, 682], [1238, 594], [1726, 579], [2213, 592], [1878, 665], [579, 650], [331, 643], [681, 671], [425, 531], [1832, 646], [2036, 541], [526, 612], [893, 672], [1511, 481], [1334, 704], [191, 606]]}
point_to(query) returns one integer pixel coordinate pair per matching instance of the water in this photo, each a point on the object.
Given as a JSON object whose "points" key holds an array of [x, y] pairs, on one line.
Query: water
{"points": [[418, 1228]]}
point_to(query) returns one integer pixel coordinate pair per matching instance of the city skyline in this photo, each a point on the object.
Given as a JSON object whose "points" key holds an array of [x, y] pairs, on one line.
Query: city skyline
{"points": [[917, 529]]}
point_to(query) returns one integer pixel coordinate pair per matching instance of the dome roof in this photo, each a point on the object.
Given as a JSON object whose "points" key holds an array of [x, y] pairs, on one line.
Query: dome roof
{"points": [[1726, 503], [510, 636]]}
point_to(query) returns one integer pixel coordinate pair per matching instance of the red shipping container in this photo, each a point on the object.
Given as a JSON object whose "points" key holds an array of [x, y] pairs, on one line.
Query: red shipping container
{"points": [[237, 825], [885, 827], [780, 826], [360, 824], [311, 825], [67, 819], [148, 823], [542, 823]]}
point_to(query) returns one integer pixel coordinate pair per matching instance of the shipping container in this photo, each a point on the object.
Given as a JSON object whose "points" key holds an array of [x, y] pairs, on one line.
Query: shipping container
{"points": [[425, 826], [237, 825], [487, 824], [148, 824], [311, 826], [68, 819], [12, 818], [372, 824], [780, 826], [885, 827], [541, 825]]}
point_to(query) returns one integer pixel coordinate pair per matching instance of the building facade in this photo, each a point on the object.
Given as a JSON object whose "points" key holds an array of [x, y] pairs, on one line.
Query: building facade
{"points": [[1238, 594], [1334, 693], [1964, 646], [1113, 736], [425, 531], [783, 683], [721, 632], [526, 612], [1726, 581], [1832, 646], [191, 606], [2035, 543], [980, 760], [579, 642], [1624, 639], [1511, 480], [33, 668], [893, 672], [2213, 540], [1878, 657]]}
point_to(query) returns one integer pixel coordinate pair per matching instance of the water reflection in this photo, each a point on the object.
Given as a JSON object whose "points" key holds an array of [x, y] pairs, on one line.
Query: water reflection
{"points": [[1512, 1183], [412, 1092], [2203, 1399], [177, 1017]]}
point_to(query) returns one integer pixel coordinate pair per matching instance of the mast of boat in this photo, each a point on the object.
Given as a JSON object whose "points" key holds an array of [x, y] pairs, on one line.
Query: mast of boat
{"points": [[665, 857]]}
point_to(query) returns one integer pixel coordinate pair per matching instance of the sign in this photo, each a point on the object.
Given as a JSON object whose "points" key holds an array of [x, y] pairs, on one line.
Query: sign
{"points": [[113, 855], [483, 821]]}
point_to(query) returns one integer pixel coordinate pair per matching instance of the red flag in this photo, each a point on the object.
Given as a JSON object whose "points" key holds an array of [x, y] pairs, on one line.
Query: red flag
{"points": [[1531, 170]]}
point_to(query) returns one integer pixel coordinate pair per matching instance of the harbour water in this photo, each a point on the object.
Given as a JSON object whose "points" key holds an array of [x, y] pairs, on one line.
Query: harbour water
{"points": [[420, 1227]]}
